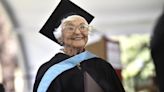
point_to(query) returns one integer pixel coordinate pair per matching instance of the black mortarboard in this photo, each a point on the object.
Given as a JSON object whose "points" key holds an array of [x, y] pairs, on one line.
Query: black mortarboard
{"points": [[64, 9]]}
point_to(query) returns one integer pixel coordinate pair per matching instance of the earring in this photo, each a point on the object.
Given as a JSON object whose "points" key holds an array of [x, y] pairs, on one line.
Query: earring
{"points": [[61, 43]]}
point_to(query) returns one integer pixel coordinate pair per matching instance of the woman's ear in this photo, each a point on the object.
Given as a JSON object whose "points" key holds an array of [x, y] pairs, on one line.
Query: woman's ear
{"points": [[61, 41]]}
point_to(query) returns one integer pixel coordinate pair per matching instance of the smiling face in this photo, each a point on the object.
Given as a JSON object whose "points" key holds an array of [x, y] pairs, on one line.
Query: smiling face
{"points": [[75, 31]]}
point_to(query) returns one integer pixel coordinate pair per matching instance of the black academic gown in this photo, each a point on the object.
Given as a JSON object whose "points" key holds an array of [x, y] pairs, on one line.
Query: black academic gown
{"points": [[72, 80]]}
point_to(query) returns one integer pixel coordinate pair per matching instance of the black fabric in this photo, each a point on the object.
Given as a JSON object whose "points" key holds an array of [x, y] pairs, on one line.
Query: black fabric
{"points": [[90, 85], [73, 80], [157, 50], [2, 89]]}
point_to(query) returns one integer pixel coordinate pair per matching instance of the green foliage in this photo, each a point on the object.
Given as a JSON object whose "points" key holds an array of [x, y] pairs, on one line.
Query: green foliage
{"points": [[136, 60]]}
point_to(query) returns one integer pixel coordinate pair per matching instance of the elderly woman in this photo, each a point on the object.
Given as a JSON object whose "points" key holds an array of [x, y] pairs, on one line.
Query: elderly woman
{"points": [[74, 69]]}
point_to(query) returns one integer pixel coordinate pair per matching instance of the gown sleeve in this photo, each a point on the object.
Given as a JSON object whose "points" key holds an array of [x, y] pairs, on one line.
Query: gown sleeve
{"points": [[44, 67], [55, 86], [116, 82], [110, 80], [104, 74]]}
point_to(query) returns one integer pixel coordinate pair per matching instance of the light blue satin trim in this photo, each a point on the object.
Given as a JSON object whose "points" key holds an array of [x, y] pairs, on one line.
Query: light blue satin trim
{"points": [[57, 69]]}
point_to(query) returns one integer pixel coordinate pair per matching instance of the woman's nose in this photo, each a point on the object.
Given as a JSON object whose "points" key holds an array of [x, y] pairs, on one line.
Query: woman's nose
{"points": [[77, 31]]}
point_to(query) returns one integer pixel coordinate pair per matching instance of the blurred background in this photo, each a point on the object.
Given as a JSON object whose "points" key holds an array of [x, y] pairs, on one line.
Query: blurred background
{"points": [[121, 35]]}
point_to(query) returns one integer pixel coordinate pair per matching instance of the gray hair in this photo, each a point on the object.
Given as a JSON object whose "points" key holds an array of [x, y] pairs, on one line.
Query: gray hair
{"points": [[58, 34]]}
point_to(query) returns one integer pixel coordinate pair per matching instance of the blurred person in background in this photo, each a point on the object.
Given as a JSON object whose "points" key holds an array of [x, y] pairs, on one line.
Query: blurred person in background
{"points": [[2, 89], [73, 69], [7, 54], [157, 51]]}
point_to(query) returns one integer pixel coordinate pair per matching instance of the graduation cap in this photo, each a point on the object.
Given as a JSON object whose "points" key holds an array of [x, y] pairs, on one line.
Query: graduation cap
{"points": [[64, 9]]}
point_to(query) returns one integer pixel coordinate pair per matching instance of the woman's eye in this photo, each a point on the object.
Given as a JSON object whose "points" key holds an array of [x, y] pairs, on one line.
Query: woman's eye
{"points": [[70, 28], [82, 27]]}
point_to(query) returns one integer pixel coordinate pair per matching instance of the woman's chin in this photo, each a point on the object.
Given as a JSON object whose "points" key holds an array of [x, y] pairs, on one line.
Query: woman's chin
{"points": [[78, 45]]}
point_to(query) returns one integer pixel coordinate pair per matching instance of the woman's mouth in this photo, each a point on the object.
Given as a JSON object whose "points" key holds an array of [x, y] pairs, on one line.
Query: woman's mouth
{"points": [[77, 38]]}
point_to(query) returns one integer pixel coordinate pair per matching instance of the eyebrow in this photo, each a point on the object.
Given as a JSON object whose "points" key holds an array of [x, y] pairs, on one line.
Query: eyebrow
{"points": [[68, 23]]}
